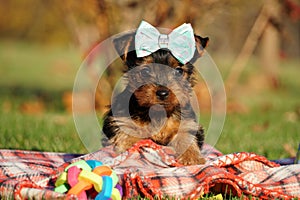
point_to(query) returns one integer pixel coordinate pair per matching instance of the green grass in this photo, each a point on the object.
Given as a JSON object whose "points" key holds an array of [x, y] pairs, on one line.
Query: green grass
{"points": [[37, 66], [272, 119], [31, 73], [47, 132]]}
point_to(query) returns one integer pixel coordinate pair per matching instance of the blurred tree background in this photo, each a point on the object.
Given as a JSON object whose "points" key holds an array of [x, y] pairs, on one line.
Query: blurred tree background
{"points": [[83, 23], [43, 42], [228, 24]]}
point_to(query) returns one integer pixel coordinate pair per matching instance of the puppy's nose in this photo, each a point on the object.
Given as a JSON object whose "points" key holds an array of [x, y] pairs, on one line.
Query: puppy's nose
{"points": [[162, 93]]}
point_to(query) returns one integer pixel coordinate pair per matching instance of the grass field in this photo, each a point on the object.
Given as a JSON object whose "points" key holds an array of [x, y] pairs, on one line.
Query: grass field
{"points": [[32, 73], [33, 79], [36, 76]]}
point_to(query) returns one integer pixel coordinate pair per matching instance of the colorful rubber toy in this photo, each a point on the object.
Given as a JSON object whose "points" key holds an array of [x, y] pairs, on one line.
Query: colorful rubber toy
{"points": [[83, 177]]}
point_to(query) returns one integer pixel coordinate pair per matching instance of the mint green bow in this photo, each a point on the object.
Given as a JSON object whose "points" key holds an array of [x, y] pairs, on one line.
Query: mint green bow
{"points": [[180, 41]]}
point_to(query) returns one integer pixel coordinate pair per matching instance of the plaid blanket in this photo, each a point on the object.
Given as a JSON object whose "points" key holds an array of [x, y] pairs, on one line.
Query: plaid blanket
{"points": [[149, 170]]}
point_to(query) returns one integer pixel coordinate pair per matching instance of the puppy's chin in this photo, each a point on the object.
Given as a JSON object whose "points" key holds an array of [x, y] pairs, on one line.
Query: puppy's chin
{"points": [[157, 112], [157, 108], [163, 109]]}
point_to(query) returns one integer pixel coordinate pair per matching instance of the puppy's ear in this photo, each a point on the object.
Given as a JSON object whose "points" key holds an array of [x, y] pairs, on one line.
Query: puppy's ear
{"points": [[125, 47], [201, 43]]}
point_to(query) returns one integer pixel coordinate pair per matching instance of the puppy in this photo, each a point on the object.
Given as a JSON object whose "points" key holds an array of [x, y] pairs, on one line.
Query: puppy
{"points": [[156, 102]]}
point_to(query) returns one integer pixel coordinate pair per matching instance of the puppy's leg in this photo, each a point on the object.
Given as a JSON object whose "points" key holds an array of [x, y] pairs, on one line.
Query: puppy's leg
{"points": [[123, 141], [187, 147], [192, 155], [121, 132]]}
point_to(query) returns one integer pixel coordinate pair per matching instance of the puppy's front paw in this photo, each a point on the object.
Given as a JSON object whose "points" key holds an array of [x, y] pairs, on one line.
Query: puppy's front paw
{"points": [[192, 156], [191, 160]]}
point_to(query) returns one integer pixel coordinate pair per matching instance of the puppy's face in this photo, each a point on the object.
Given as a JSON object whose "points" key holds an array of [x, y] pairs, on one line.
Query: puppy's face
{"points": [[158, 79]]}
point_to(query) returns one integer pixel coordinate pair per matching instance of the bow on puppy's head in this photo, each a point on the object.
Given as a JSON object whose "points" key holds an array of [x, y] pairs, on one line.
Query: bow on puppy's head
{"points": [[183, 44]]}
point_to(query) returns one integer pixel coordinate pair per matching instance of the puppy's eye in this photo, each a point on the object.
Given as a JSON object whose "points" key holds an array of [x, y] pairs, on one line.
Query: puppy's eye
{"points": [[145, 72], [178, 72]]}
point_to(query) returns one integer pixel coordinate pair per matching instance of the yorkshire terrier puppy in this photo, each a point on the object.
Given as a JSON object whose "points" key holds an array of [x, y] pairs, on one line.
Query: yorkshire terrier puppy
{"points": [[156, 102]]}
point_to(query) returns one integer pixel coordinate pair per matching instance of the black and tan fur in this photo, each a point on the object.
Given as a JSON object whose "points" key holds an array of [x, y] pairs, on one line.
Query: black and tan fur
{"points": [[159, 102]]}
